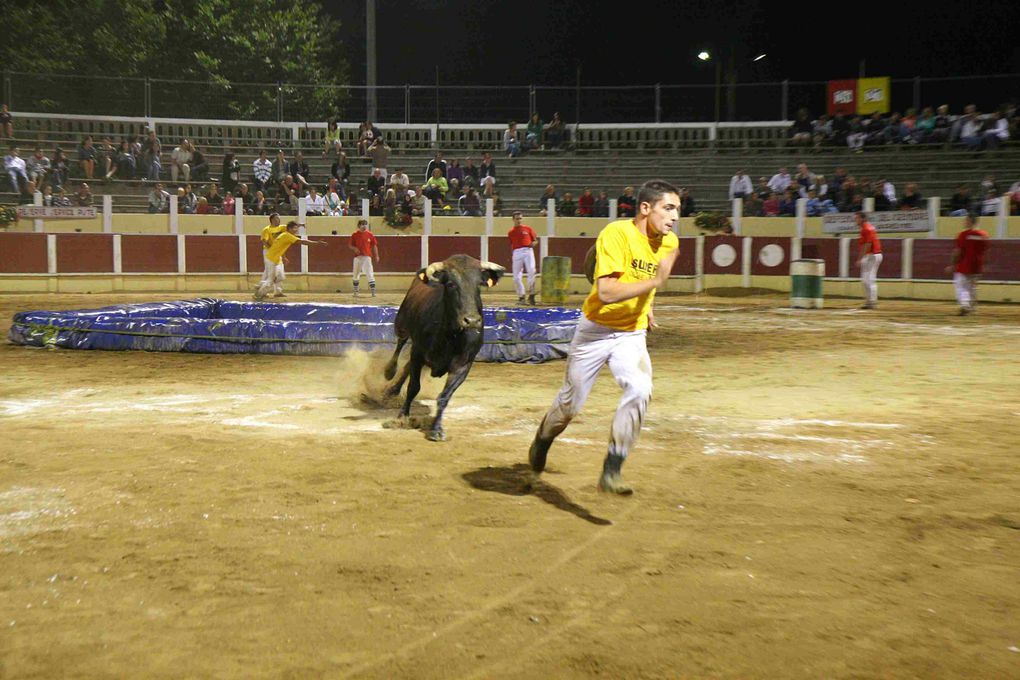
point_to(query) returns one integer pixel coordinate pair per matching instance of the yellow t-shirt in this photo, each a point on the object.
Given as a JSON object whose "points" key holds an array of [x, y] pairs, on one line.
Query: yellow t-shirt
{"points": [[268, 233], [622, 249], [280, 245]]}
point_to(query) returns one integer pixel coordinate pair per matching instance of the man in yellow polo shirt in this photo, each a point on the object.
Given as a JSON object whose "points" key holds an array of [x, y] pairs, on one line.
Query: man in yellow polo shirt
{"points": [[272, 272], [275, 256], [634, 257]]}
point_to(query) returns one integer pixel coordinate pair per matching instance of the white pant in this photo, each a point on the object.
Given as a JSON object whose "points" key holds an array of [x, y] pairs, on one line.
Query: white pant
{"points": [[966, 289], [869, 275], [184, 170], [363, 265], [594, 346], [272, 278], [524, 260]]}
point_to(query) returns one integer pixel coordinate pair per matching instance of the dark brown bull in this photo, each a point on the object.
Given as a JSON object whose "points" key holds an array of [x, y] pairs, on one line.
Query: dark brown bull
{"points": [[442, 317]]}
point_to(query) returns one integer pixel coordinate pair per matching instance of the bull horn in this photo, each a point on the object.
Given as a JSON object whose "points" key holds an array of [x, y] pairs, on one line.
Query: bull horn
{"points": [[493, 267], [495, 272], [433, 269]]}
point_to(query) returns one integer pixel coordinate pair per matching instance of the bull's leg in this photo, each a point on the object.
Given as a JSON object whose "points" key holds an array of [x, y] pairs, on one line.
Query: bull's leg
{"points": [[453, 381], [394, 388], [414, 386], [391, 365]]}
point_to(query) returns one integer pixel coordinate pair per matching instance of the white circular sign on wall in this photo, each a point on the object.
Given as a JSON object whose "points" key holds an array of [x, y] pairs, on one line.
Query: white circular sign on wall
{"points": [[723, 255], [771, 255]]}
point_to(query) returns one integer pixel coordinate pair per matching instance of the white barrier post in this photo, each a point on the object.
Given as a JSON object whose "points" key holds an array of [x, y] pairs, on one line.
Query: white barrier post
{"points": [[302, 212], [907, 261], [934, 209], [1003, 218], [745, 262], [699, 263], [242, 254], [182, 259], [844, 258], [239, 216], [550, 228], [365, 209], [868, 205], [118, 262], [37, 224], [174, 227], [107, 213], [489, 219], [613, 208], [736, 214], [427, 222], [801, 224], [795, 247], [51, 253]]}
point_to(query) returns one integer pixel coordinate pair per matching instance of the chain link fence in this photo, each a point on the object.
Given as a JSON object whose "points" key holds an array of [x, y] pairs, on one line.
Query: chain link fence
{"points": [[465, 104]]}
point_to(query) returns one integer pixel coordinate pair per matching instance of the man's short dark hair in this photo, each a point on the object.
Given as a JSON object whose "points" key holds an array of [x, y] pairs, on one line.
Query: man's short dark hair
{"points": [[515, 213], [292, 223], [652, 191], [361, 222]]}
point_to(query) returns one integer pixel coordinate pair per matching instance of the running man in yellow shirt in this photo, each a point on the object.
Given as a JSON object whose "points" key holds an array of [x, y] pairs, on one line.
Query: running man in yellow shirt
{"points": [[275, 253], [634, 257], [272, 272]]}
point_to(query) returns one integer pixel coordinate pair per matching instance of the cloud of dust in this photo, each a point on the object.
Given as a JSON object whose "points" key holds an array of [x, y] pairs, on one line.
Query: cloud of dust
{"points": [[360, 378]]}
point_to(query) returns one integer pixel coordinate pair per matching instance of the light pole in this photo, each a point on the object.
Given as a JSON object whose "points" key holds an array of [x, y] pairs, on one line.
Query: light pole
{"points": [[707, 56]]}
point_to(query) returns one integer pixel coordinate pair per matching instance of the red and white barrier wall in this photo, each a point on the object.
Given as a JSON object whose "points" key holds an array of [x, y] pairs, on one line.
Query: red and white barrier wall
{"points": [[69, 262]]}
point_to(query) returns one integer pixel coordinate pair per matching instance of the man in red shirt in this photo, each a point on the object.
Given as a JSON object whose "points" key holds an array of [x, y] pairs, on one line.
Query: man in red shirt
{"points": [[364, 246], [967, 264], [869, 259], [522, 244]]}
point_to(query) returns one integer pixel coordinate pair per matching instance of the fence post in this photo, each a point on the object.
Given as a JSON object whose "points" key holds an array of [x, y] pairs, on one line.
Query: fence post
{"points": [[532, 101], [8, 93], [785, 99], [147, 104], [934, 209], [658, 102], [407, 104], [279, 101]]}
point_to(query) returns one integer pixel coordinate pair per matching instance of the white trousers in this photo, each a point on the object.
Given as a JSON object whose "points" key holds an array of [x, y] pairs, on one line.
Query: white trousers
{"points": [[524, 260], [869, 275], [966, 289], [272, 278], [593, 347], [363, 265]]}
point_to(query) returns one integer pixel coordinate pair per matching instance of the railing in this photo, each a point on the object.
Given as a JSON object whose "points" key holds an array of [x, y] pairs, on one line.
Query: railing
{"points": [[444, 104]]}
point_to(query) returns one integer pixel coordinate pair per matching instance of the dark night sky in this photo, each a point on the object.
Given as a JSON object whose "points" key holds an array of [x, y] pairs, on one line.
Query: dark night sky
{"points": [[478, 42]]}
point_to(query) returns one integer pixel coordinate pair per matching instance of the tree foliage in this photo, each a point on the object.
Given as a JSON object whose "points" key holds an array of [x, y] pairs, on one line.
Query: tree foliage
{"points": [[225, 56]]}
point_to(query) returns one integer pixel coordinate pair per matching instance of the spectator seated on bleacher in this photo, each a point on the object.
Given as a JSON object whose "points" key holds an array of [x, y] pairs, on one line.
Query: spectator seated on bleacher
{"points": [[6, 122], [874, 130], [990, 206], [14, 166], [470, 204], [803, 180], [555, 131], [533, 135], [417, 202], [740, 185], [436, 162], [341, 169], [262, 171], [231, 174], [214, 198], [187, 201], [455, 192], [367, 134], [911, 198], [821, 130], [199, 166], [105, 155], [688, 206], [585, 203], [180, 161], [894, 132], [567, 206], [626, 204], [470, 171], [601, 206], [260, 206], [336, 205], [770, 206], [543, 200], [229, 203], [332, 142], [124, 162], [751, 205], [996, 131], [511, 144], [857, 135], [454, 172], [315, 204], [960, 202], [380, 155], [87, 157], [487, 175], [400, 182], [280, 168], [203, 207], [821, 188], [788, 204], [839, 130], [801, 131], [151, 151], [376, 183], [244, 196], [83, 198], [436, 188], [299, 171], [780, 181], [816, 207]]}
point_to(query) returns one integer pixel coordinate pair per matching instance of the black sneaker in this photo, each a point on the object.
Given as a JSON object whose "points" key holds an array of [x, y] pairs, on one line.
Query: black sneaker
{"points": [[520, 300], [611, 480], [531, 299]]}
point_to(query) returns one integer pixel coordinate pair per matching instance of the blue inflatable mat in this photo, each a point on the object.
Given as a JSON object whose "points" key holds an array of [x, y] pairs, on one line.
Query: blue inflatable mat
{"points": [[206, 325]]}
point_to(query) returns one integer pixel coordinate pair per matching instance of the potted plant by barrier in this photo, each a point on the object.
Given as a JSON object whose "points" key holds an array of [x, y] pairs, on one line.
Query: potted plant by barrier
{"points": [[713, 222], [8, 215]]}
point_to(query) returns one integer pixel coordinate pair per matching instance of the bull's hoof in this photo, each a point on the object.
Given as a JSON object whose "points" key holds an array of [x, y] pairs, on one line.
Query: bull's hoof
{"points": [[436, 436]]}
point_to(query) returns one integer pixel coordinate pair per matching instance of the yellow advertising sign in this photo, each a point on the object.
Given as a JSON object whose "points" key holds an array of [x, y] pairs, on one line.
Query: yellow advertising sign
{"points": [[872, 95]]}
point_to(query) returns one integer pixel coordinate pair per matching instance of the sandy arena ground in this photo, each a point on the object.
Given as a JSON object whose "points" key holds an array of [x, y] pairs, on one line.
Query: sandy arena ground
{"points": [[824, 494]]}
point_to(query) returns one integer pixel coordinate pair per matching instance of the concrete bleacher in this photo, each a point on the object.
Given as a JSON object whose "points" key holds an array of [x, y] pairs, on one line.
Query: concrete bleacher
{"points": [[701, 157]]}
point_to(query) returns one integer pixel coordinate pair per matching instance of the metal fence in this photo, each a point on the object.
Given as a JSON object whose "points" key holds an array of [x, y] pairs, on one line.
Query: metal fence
{"points": [[460, 104]]}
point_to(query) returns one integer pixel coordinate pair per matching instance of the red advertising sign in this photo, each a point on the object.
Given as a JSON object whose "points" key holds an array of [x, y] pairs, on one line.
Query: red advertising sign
{"points": [[842, 97]]}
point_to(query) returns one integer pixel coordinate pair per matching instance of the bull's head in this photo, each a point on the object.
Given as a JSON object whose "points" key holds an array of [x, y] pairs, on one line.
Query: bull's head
{"points": [[462, 278]]}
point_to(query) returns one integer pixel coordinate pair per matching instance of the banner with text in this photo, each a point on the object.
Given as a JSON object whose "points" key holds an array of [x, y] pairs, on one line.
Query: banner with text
{"points": [[873, 95], [40, 212], [884, 222], [842, 97]]}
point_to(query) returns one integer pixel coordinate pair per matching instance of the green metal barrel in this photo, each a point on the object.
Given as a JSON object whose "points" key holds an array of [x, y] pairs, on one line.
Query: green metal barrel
{"points": [[555, 279], [806, 287]]}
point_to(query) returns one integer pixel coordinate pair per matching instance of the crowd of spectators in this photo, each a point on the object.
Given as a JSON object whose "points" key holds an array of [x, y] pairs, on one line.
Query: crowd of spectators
{"points": [[972, 129]]}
